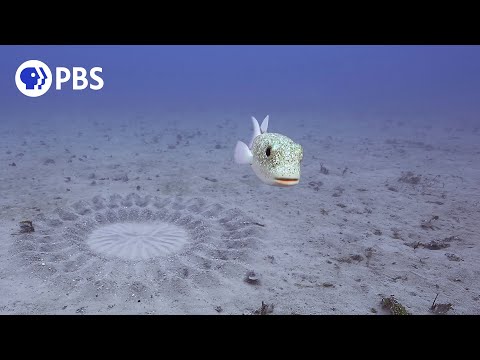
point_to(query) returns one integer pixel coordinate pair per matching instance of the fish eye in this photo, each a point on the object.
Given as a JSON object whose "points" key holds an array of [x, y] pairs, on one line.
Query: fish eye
{"points": [[267, 152]]}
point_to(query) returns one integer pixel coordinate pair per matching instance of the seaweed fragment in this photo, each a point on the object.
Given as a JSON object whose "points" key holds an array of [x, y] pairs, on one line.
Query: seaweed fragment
{"points": [[440, 309], [394, 306], [432, 245], [265, 309]]}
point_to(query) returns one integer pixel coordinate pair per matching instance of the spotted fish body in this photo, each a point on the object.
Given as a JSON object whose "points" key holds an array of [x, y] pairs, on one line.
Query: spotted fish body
{"points": [[274, 158]]}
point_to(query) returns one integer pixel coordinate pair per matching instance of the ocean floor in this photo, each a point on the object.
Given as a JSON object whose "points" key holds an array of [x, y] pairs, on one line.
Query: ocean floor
{"points": [[150, 215]]}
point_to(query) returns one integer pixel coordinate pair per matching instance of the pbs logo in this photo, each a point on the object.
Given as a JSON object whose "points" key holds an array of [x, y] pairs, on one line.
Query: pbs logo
{"points": [[34, 78]]}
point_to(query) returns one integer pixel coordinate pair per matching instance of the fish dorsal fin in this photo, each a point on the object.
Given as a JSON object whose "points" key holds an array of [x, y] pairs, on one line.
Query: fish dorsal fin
{"points": [[256, 130], [264, 126]]}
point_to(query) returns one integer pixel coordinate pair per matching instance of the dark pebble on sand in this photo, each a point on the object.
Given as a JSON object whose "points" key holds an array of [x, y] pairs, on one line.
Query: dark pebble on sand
{"points": [[123, 178], [209, 179], [12, 164], [217, 146], [453, 257], [138, 187], [252, 278], [356, 257]]}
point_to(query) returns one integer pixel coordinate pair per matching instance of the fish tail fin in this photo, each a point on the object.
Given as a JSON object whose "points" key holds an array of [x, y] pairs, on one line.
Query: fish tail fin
{"points": [[242, 154]]}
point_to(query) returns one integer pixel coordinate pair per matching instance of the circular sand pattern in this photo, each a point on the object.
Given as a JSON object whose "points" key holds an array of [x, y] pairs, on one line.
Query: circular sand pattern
{"points": [[137, 241], [171, 250]]}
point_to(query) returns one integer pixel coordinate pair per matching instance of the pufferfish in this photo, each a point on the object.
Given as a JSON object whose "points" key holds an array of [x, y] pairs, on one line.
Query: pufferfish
{"points": [[274, 158]]}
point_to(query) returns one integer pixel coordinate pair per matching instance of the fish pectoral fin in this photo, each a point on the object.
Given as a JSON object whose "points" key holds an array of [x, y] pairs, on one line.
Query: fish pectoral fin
{"points": [[264, 126], [242, 155]]}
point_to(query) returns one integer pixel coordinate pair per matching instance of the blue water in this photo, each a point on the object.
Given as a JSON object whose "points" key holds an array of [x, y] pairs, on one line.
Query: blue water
{"points": [[429, 82]]}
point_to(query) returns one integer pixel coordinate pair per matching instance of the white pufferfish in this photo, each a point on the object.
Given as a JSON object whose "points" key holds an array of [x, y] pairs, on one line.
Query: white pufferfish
{"points": [[274, 158]]}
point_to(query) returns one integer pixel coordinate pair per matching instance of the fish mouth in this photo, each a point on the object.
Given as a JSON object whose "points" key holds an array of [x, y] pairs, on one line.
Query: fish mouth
{"points": [[286, 181]]}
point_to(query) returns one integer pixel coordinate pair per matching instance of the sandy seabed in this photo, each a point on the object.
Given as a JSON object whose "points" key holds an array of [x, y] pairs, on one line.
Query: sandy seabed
{"points": [[147, 215]]}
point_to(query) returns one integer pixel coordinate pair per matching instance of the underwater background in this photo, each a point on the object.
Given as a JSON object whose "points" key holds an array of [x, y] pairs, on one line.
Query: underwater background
{"points": [[127, 199]]}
